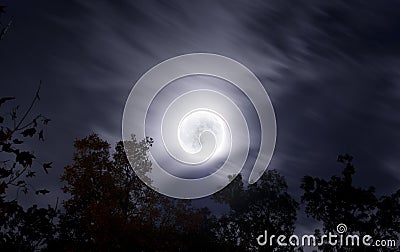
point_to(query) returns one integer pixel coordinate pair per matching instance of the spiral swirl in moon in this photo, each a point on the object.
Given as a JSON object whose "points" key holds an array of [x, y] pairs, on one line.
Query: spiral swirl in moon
{"points": [[210, 118]]}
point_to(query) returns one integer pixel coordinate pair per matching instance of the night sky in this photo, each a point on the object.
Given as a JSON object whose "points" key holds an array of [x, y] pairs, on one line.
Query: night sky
{"points": [[331, 69]]}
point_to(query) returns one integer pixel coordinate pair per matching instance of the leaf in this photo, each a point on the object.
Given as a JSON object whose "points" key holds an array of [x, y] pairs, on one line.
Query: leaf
{"points": [[24, 158], [7, 148], [29, 132], [43, 191], [16, 141], [47, 166], [4, 99], [5, 173], [21, 183], [41, 135]]}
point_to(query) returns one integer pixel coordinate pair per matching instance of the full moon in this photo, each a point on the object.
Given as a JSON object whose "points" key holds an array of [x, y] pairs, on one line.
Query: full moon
{"points": [[195, 125]]}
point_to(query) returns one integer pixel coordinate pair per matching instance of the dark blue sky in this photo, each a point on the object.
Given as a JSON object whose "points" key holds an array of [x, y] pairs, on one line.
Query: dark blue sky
{"points": [[331, 69]]}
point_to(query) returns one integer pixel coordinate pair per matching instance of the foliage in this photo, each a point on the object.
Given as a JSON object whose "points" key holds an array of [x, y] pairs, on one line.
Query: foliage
{"points": [[265, 205], [338, 201], [21, 229], [110, 208]]}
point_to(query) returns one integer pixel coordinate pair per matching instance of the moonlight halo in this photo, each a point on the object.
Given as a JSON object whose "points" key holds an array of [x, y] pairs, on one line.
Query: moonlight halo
{"points": [[210, 118]]}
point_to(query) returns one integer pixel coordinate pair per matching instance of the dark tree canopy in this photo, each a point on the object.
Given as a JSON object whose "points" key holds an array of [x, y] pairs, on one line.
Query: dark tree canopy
{"points": [[338, 201], [265, 205], [110, 208]]}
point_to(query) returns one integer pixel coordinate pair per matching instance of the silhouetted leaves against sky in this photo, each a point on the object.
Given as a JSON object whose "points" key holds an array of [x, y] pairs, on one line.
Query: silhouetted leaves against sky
{"points": [[337, 200], [47, 166], [29, 132], [24, 158], [4, 99], [265, 205], [21, 229], [42, 191]]}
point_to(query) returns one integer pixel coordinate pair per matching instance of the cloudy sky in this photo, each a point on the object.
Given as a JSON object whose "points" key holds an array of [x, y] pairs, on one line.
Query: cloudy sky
{"points": [[331, 69]]}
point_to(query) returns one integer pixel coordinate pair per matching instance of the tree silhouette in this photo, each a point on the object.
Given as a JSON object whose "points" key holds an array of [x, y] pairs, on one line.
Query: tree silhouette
{"points": [[110, 208], [21, 229], [337, 201], [265, 205]]}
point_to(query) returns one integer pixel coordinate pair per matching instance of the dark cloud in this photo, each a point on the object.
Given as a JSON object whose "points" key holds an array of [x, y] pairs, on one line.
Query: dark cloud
{"points": [[336, 85], [335, 88]]}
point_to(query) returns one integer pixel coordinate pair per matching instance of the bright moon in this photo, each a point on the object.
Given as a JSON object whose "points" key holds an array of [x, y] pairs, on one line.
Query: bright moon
{"points": [[195, 124]]}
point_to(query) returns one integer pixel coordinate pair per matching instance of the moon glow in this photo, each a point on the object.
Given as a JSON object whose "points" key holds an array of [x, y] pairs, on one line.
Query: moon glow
{"points": [[210, 118]]}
